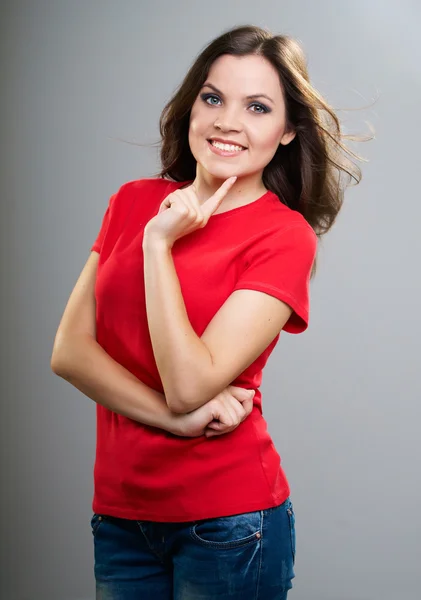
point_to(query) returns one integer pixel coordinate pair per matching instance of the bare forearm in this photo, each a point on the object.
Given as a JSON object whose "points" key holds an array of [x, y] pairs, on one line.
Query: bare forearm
{"points": [[182, 358], [84, 363]]}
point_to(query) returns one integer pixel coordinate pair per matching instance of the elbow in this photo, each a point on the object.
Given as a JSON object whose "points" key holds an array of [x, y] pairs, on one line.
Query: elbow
{"points": [[54, 361], [183, 404], [60, 356], [56, 365], [179, 410], [66, 350], [176, 405]]}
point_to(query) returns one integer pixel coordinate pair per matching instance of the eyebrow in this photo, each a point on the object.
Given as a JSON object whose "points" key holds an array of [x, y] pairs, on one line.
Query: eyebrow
{"points": [[207, 84]]}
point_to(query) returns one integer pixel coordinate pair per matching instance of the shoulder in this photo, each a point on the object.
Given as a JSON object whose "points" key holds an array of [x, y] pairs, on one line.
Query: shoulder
{"points": [[277, 220], [146, 191], [146, 184], [299, 229], [284, 226]]}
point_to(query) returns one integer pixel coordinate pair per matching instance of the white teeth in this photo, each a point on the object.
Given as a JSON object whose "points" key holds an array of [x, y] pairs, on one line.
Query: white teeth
{"points": [[226, 147]]}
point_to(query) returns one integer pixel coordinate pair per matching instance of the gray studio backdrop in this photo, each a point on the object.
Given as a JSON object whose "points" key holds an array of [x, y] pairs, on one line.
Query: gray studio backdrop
{"points": [[342, 400]]}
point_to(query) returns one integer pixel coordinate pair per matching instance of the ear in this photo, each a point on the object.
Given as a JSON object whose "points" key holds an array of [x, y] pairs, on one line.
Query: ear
{"points": [[287, 137]]}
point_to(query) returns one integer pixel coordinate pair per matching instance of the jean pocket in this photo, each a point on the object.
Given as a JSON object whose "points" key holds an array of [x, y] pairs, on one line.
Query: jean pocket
{"points": [[228, 532], [96, 522], [291, 519]]}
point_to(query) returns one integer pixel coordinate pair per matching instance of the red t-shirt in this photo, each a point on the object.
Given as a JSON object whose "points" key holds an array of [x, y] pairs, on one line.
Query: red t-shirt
{"points": [[146, 473]]}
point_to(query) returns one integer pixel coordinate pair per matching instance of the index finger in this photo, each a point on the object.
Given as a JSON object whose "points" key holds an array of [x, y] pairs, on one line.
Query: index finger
{"points": [[212, 203]]}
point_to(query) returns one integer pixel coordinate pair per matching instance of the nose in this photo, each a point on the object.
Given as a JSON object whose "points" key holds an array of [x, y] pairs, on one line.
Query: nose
{"points": [[228, 119]]}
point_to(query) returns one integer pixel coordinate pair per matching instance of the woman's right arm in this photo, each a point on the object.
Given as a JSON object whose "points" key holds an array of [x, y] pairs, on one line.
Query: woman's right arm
{"points": [[79, 359]]}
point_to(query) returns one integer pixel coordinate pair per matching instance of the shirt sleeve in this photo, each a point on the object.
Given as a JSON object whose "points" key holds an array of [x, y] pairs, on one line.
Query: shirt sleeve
{"points": [[104, 226], [280, 265]]}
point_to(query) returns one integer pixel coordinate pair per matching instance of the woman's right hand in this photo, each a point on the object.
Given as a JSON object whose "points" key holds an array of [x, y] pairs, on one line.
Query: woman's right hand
{"points": [[220, 415]]}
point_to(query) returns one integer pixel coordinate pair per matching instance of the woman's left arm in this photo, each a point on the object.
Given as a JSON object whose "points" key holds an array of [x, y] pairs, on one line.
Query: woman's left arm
{"points": [[194, 370]]}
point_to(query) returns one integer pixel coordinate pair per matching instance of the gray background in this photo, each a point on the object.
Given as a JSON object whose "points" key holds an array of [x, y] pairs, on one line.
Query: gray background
{"points": [[342, 400]]}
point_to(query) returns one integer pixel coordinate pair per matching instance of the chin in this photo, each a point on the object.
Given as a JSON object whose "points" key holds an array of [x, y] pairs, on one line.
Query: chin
{"points": [[224, 173], [222, 176]]}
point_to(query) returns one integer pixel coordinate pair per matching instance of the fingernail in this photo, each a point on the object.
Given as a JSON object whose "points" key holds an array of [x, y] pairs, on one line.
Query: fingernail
{"points": [[233, 178]]}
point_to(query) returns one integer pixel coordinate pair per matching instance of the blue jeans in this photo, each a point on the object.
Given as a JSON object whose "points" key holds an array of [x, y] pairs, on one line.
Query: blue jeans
{"points": [[242, 557]]}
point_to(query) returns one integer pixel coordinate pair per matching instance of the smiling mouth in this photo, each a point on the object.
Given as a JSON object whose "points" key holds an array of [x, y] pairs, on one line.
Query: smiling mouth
{"points": [[229, 148]]}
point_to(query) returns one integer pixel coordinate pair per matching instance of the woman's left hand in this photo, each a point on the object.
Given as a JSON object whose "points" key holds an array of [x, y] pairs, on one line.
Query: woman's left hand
{"points": [[181, 213]]}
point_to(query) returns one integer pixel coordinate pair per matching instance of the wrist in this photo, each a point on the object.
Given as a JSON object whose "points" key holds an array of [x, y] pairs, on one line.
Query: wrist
{"points": [[175, 424], [164, 418], [152, 240]]}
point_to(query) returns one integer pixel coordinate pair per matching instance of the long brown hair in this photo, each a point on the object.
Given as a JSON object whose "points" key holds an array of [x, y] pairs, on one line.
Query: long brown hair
{"points": [[310, 173]]}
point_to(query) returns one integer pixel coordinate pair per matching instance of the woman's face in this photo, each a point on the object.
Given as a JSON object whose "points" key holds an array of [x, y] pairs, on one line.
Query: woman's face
{"points": [[224, 109]]}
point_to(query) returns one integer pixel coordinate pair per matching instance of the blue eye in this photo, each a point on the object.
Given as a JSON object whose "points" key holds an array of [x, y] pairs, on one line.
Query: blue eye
{"points": [[206, 97], [262, 106], [263, 109]]}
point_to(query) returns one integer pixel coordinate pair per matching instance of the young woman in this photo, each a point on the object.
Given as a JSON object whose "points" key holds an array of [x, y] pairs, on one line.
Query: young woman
{"points": [[193, 275]]}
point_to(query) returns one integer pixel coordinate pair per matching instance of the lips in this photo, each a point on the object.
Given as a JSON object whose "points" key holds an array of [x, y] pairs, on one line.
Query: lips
{"points": [[230, 142], [225, 153]]}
